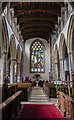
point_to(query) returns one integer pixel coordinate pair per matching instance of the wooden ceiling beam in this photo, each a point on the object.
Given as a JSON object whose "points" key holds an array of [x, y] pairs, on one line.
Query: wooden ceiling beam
{"points": [[49, 15], [43, 26], [35, 31], [35, 36], [20, 12], [15, 4], [20, 20], [37, 19]]}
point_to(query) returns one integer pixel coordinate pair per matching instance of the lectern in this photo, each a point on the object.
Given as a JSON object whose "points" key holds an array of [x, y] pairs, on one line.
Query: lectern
{"points": [[37, 76]]}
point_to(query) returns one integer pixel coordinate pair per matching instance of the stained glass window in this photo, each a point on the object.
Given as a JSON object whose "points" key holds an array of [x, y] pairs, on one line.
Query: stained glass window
{"points": [[37, 57]]}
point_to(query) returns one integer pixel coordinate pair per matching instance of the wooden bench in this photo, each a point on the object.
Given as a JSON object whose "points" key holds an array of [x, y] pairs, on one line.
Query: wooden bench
{"points": [[8, 90], [66, 104], [50, 89], [63, 88], [9, 106], [26, 90], [25, 87]]}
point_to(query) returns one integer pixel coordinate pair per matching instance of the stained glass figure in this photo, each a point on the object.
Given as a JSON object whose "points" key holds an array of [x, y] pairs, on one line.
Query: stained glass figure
{"points": [[37, 57]]}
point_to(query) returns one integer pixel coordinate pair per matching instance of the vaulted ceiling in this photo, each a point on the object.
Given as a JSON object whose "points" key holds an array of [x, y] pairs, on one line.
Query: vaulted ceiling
{"points": [[37, 19]]}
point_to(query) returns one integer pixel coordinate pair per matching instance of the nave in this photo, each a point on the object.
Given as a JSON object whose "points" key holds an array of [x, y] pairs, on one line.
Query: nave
{"points": [[37, 60]]}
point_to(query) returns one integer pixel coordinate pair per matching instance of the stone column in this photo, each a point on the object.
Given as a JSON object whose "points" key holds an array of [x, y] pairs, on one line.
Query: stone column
{"points": [[72, 60], [7, 68], [3, 66], [23, 58], [62, 69], [7, 65], [56, 71], [50, 54], [21, 72], [18, 72], [53, 69], [12, 75]]}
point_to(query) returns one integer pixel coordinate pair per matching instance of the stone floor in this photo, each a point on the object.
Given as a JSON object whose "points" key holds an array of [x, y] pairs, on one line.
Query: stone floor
{"points": [[38, 96]]}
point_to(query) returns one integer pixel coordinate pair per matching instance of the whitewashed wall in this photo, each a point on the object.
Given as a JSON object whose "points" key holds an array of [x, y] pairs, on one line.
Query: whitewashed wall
{"points": [[45, 76]]}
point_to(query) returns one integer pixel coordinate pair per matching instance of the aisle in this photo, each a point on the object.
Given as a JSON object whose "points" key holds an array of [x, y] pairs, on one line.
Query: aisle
{"points": [[38, 112], [40, 106], [38, 95]]}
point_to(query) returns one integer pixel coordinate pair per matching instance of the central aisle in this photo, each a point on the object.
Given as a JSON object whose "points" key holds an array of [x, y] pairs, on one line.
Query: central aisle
{"points": [[38, 95], [40, 106], [38, 112]]}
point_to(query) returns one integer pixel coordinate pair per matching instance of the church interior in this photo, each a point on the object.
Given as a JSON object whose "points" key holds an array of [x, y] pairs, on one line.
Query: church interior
{"points": [[37, 60]]}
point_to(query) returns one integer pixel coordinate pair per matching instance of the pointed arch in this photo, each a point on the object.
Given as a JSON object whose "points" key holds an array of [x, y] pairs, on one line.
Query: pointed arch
{"points": [[37, 57], [70, 35], [5, 37], [40, 42]]}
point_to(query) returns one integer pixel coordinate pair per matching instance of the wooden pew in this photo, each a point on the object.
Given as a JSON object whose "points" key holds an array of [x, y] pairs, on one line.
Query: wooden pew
{"points": [[11, 90], [25, 87], [9, 106], [14, 85], [66, 104], [50, 89], [26, 90], [8, 90], [64, 89]]}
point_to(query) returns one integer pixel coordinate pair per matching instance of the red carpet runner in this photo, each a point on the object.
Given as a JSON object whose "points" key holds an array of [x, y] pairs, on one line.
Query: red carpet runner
{"points": [[41, 112]]}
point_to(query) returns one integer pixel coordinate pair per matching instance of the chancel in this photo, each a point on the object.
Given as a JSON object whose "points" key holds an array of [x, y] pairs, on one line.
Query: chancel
{"points": [[37, 60]]}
